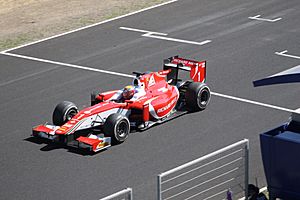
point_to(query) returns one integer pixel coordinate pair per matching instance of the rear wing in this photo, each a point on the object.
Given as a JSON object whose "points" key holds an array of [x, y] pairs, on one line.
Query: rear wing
{"points": [[197, 69]]}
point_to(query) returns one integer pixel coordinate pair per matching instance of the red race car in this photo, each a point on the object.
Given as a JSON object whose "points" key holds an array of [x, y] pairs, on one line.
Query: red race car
{"points": [[153, 97]]}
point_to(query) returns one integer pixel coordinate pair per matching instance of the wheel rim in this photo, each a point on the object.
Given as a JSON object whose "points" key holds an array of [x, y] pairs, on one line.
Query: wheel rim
{"points": [[122, 129], [203, 97], [71, 114]]}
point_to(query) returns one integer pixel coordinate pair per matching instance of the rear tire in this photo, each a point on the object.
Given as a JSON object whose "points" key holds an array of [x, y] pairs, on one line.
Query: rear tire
{"points": [[64, 112], [117, 127], [197, 96]]}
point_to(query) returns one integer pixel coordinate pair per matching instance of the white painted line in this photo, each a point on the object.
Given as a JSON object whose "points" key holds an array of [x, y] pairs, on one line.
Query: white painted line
{"points": [[161, 36], [257, 17], [254, 102], [69, 65], [142, 31], [92, 25], [131, 76], [284, 53], [178, 40]]}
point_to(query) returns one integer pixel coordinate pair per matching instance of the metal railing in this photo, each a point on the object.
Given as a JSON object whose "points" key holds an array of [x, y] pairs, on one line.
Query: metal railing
{"points": [[208, 177], [125, 194]]}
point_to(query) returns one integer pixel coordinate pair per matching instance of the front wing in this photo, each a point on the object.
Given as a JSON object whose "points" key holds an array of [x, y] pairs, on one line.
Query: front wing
{"points": [[92, 142]]}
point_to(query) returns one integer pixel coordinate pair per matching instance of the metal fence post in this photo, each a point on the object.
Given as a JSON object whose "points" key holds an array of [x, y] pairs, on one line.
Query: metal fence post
{"points": [[246, 169], [130, 193], [159, 187]]}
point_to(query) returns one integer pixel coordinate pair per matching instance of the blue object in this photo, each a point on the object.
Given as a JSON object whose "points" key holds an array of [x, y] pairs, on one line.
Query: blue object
{"points": [[229, 194], [288, 76], [280, 150]]}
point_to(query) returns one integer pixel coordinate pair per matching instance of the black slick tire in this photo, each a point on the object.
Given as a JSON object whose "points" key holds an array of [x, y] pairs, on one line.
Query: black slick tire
{"points": [[117, 127], [63, 112], [197, 96]]}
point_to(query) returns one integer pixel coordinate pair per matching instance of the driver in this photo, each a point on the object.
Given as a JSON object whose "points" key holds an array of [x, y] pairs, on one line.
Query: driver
{"points": [[128, 92]]}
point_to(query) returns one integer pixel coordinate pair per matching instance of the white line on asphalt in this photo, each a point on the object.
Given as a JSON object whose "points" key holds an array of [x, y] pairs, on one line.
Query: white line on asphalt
{"points": [[178, 40], [257, 17], [284, 53], [131, 76], [254, 102], [161, 36], [68, 65], [89, 26], [142, 31]]}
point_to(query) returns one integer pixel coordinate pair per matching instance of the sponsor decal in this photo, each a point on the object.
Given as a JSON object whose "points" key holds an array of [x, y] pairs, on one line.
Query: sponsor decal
{"points": [[196, 74], [185, 62], [163, 89], [167, 106], [101, 144], [80, 116], [68, 125], [163, 73], [151, 81], [75, 127], [144, 97], [63, 128]]}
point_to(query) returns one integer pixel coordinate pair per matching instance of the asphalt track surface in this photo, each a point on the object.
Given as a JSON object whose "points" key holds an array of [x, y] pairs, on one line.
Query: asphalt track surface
{"points": [[241, 50]]}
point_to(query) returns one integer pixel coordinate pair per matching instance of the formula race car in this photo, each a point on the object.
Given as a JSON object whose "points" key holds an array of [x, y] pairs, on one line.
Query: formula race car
{"points": [[153, 97]]}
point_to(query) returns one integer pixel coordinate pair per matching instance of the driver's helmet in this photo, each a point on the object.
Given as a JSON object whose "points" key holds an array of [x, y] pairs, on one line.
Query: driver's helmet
{"points": [[128, 92]]}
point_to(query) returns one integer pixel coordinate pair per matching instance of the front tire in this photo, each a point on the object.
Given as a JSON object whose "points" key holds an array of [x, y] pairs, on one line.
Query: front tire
{"points": [[64, 112], [117, 127], [197, 96]]}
